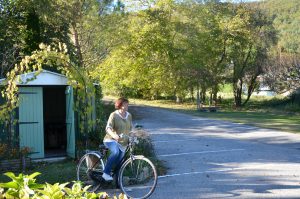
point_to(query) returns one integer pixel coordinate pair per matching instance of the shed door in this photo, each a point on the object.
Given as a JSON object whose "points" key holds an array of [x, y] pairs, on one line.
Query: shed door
{"points": [[31, 125], [70, 122]]}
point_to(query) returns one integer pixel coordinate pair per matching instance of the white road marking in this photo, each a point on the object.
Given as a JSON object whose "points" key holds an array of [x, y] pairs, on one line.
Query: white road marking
{"points": [[198, 172], [258, 166], [182, 140], [199, 152]]}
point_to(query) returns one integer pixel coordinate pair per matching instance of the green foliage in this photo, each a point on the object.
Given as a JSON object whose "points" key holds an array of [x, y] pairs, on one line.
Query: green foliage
{"points": [[51, 191], [145, 147], [249, 34], [169, 49], [21, 186], [165, 48], [143, 61], [57, 191], [24, 187], [25, 24], [286, 15], [282, 72], [95, 137]]}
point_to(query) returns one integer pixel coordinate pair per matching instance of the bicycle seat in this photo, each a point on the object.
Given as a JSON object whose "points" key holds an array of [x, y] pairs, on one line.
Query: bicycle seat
{"points": [[102, 147]]}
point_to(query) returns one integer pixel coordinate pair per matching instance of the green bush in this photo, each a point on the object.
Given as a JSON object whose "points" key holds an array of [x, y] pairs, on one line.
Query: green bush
{"points": [[25, 187], [91, 140], [295, 98]]}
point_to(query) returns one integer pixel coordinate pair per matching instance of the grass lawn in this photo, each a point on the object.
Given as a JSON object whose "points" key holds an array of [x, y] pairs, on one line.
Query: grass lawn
{"points": [[261, 113], [63, 171], [279, 121]]}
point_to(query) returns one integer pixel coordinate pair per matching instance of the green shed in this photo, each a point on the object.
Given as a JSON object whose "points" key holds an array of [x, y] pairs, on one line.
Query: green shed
{"points": [[46, 119]]}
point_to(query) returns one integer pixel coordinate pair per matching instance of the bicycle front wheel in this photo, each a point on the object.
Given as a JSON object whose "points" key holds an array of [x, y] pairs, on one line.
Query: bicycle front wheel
{"points": [[138, 177], [89, 171]]}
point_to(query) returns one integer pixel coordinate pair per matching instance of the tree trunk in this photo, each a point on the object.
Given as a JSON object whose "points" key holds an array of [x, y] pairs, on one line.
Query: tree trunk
{"points": [[198, 99], [178, 99], [215, 90], [237, 90], [77, 45], [203, 95], [210, 99], [251, 87], [192, 93]]}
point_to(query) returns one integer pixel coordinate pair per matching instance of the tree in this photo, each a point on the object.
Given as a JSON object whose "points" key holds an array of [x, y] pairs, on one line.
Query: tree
{"points": [[282, 68], [286, 20], [145, 59], [75, 23], [193, 49], [250, 34], [88, 47], [282, 72], [25, 24]]}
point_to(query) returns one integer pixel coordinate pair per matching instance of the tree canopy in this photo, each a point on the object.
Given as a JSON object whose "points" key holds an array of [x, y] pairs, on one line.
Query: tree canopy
{"points": [[170, 49], [282, 72], [157, 48]]}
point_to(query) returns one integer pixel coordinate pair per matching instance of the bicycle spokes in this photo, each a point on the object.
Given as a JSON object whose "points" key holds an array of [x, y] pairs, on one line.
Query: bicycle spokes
{"points": [[138, 178], [89, 171]]}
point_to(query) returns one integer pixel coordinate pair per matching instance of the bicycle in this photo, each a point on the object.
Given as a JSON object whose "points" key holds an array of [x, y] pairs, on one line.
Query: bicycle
{"points": [[137, 175]]}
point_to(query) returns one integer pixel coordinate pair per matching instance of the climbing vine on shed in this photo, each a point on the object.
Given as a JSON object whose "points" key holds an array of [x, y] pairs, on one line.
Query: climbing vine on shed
{"points": [[56, 57]]}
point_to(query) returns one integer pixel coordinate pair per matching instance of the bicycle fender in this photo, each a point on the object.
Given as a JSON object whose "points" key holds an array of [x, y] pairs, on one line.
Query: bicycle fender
{"points": [[138, 156], [96, 153]]}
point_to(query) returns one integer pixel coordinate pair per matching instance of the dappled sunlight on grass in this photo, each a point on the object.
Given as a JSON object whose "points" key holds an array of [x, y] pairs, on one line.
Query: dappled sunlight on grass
{"points": [[267, 120], [258, 115]]}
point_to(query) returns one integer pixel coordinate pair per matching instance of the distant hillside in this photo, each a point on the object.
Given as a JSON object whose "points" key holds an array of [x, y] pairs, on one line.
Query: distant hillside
{"points": [[286, 15]]}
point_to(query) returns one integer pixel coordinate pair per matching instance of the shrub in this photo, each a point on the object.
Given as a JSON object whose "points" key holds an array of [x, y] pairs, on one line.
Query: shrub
{"points": [[295, 98], [144, 146], [8, 152], [24, 186], [21, 186]]}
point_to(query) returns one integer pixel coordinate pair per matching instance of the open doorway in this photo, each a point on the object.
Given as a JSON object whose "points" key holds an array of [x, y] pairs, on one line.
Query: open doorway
{"points": [[55, 133]]}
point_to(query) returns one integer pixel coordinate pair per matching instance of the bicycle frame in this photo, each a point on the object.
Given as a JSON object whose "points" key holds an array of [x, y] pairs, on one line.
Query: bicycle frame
{"points": [[129, 168], [129, 152], [128, 155]]}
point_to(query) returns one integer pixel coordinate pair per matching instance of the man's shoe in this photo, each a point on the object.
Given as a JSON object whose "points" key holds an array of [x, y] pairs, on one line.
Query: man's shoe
{"points": [[107, 177]]}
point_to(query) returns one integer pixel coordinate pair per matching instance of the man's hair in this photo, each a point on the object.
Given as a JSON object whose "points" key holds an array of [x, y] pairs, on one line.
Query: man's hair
{"points": [[119, 102]]}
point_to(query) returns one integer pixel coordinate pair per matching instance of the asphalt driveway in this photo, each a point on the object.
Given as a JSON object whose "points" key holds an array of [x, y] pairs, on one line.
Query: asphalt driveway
{"points": [[216, 159]]}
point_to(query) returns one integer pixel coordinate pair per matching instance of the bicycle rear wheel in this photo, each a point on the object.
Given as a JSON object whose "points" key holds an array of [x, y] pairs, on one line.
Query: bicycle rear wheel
{"points": [[138, 177], [89, 171]]}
